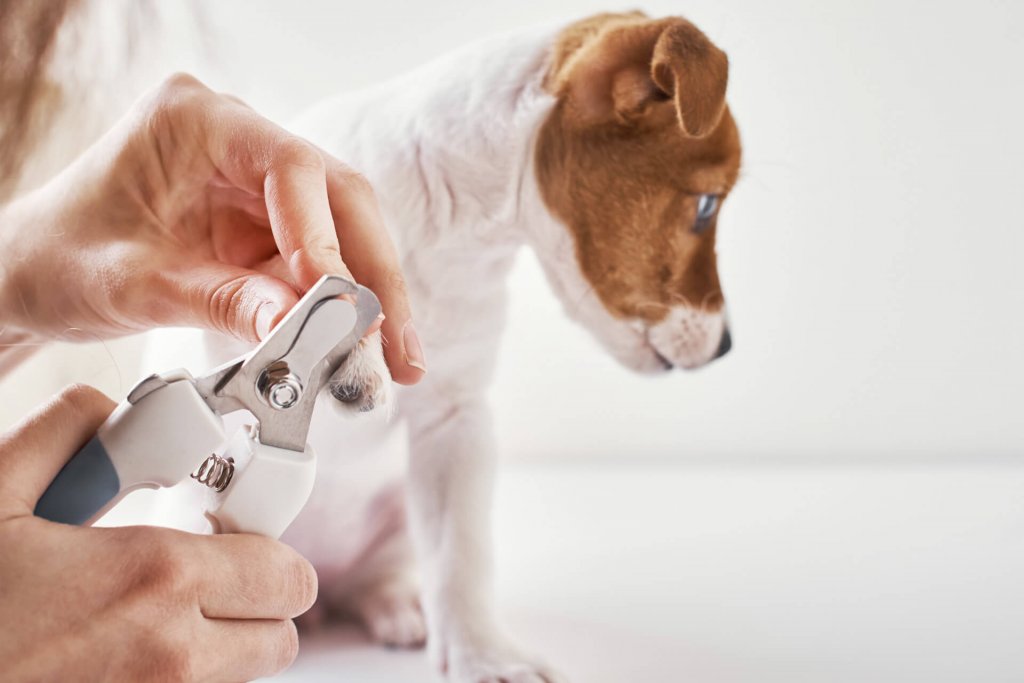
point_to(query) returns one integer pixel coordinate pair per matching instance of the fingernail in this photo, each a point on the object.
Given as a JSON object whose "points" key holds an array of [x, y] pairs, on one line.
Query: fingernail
{"points": [[413, 349], [265, 317]]}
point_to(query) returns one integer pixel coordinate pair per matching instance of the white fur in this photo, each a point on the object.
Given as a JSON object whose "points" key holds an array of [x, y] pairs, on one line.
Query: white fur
{"points": [[687, 336], [449, 150]]}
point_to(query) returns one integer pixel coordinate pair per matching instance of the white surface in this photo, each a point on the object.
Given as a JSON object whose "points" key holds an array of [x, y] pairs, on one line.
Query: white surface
{"points": [[748, 573]]}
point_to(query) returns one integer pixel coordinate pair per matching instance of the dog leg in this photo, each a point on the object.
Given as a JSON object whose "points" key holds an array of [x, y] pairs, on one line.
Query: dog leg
{"points": [[390, 611], [382, 593], [452, 462], [371, 581]]}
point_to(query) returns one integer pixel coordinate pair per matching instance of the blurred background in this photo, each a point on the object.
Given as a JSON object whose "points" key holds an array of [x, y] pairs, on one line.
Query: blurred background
{"points": [[839, 499]]}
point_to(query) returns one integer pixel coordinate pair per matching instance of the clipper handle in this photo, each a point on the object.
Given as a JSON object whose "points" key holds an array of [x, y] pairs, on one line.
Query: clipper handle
{"points": [[152, 443], [268, 489]]}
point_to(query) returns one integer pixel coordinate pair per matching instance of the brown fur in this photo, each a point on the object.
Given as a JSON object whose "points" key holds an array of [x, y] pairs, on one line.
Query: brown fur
{"points": [[640, 130]]}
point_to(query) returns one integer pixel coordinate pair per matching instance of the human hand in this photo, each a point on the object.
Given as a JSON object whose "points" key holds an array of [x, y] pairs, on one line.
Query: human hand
{"points": [[195, 211], [133, 603]]}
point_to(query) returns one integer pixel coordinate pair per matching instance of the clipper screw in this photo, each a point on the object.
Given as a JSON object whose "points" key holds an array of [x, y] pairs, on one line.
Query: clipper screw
{"points": [[278, 387], [283, 393]]}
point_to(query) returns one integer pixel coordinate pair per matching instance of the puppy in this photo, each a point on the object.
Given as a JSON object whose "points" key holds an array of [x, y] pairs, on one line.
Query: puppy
{"points": [[607, 147]]}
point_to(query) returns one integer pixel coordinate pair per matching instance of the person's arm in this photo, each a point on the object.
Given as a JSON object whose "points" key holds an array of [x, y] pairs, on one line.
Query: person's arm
{"points": [[195, 211], [132, 603], [16, 345]]}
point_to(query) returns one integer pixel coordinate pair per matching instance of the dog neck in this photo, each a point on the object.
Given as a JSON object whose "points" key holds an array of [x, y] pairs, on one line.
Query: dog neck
{"points": [[449, 146]]}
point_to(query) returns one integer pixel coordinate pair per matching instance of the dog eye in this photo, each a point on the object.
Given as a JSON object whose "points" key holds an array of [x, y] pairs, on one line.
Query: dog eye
{"points": [[707, 207]]}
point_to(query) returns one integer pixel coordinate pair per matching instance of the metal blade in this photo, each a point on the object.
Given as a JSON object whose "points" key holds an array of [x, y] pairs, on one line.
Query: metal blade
{"points": [[279, 381]]}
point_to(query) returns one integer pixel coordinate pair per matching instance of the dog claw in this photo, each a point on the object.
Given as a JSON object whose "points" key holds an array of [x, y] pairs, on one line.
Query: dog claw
{"points": [[346, 393]]}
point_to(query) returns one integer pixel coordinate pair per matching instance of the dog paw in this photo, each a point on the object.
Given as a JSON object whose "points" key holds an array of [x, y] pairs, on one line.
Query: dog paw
{"points": [[393, 617], [362, 383], [498, 665], [479, 656]]}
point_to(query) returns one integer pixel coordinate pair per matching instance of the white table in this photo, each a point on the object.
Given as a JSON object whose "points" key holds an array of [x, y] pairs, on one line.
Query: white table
{"points": [[748, 572]]}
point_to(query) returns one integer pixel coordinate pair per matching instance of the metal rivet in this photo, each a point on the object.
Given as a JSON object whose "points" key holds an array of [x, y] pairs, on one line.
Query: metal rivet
{"points": [[284, 393]]}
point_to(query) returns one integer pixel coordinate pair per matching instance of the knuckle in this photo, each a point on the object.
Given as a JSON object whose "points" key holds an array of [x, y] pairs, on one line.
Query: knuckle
{"points": [[177, 91], [181, 81], [174, 110], [164, 570], [82, 398], [320, 248], [319, 255], [293, 151], [353, 182], [393, 281], [227, 304], [164, 658]]}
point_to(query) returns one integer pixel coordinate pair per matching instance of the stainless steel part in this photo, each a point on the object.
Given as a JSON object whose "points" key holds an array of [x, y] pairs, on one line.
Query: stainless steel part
{"points": [[216, 472], [309, 343], [279, 387]]}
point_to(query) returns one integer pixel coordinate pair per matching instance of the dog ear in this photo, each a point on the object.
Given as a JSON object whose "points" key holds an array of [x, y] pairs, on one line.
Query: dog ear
{"points": [[689, 68], [635, 70]]}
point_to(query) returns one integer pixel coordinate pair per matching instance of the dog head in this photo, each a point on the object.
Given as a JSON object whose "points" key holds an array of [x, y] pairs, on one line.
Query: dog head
{"points": [[635, 159]]}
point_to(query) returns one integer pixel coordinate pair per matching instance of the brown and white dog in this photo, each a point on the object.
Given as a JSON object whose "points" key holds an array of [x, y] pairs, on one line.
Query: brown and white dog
{"points": [[607, 147]]}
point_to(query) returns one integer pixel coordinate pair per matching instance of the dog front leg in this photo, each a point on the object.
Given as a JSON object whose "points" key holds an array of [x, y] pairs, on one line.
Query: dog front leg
{"points": [[451, 469]]}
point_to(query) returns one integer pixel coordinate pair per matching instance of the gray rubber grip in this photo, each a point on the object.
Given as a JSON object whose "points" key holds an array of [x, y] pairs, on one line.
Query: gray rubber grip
{"points": [[86, 483]]}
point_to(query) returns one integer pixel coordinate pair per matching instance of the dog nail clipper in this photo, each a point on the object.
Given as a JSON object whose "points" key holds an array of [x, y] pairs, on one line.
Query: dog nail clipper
{"points": [[171, 422]]}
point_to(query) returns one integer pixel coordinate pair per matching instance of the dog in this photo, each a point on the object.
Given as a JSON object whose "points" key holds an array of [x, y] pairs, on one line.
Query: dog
{"points": [[604, 145], [608, 148]]}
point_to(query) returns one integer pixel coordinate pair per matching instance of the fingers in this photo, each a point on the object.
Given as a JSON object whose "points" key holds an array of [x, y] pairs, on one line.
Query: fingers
{"points": [[233, 650], [261, 158], [229, 299], [319, 210], [252, 577], [300, 215], [313, 201], [33, 452], [374, 262]]}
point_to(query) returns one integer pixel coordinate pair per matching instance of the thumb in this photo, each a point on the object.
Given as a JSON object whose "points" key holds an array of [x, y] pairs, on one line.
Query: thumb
{"points": [[32, 453], [230, 299]]}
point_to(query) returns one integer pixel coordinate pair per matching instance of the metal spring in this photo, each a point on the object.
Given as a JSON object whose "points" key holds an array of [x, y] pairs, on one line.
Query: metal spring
{"points": [[215, 472]]}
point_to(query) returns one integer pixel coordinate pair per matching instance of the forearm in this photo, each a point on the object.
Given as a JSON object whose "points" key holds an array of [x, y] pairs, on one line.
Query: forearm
{"points": [[17, 341]]}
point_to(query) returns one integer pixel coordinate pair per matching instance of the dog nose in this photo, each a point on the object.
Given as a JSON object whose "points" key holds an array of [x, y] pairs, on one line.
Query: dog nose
{"points": [[725, 344]]}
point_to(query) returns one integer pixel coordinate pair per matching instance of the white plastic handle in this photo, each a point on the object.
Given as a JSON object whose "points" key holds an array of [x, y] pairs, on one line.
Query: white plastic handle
{"points": [[268, 489], [155, 442]]}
